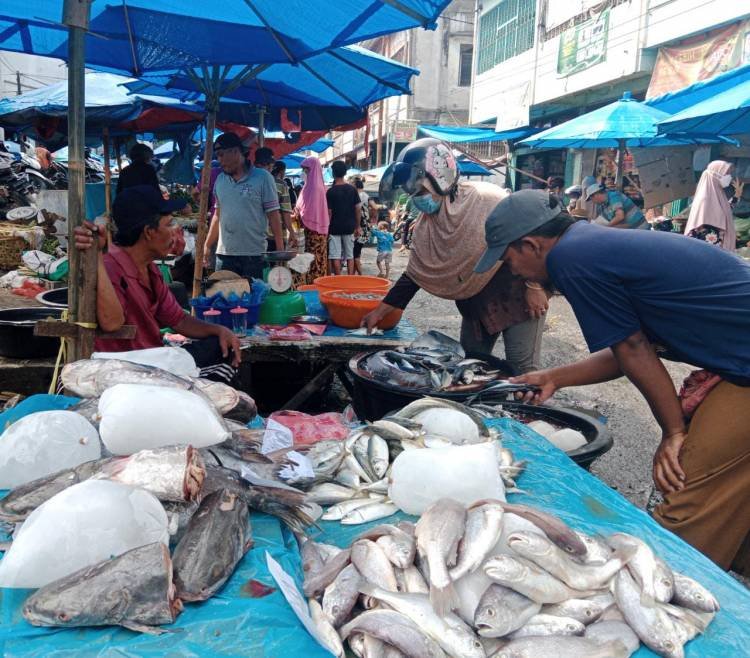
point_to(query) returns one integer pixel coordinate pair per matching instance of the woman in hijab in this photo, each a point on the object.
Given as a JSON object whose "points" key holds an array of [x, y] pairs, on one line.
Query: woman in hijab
{"points": [[711, 218], [311, 211], [446, 244]]}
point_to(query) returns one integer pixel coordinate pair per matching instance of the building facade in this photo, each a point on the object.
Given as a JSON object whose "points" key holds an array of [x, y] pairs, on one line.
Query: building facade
{"points": [[440, 93]]}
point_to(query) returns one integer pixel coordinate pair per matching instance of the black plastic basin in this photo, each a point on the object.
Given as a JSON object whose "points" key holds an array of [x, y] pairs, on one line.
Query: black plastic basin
{"points": [[17, 339]]}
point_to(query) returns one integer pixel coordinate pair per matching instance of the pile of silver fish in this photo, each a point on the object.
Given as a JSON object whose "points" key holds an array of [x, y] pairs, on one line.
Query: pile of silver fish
{"points": [[351, 477], [432, 362], [501, 580]]}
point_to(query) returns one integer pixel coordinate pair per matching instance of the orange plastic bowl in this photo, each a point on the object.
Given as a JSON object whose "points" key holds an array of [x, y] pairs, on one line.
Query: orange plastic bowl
{"points": [[348, 313], [352, 282]]}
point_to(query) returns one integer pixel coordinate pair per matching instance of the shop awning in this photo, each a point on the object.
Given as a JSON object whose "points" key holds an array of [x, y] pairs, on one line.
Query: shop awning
{"points": [[466, 134]]}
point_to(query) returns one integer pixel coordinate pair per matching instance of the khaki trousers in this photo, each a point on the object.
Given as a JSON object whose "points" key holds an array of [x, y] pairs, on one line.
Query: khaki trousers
{"points": [[712, 512]]}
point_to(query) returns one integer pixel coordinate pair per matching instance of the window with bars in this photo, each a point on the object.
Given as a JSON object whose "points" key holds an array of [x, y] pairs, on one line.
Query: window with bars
{"points": [[464, 65], [505, 31]]}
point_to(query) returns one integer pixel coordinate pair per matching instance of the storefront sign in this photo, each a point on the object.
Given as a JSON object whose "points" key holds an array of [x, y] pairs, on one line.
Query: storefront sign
{"points": [[514, 107], [405, 130], [700, 59], [583, 46]]}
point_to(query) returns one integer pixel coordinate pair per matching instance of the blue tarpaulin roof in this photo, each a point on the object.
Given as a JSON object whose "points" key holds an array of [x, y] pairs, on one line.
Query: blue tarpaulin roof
{"points": [[625, 119], [467, 134], [342, 77], [725, 112], [319, 146], [141, 36]]}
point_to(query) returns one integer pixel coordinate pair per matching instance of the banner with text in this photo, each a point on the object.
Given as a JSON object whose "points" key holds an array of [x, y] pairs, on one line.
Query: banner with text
{"points": [[583, 46]]}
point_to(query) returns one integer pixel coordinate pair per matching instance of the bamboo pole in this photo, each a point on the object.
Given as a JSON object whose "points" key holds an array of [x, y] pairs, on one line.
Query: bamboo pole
{"points": [[203, 206]]}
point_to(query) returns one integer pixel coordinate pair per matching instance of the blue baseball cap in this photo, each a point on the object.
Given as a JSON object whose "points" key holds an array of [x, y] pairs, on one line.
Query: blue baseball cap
{"points": [[517, 215], [136, 206]]}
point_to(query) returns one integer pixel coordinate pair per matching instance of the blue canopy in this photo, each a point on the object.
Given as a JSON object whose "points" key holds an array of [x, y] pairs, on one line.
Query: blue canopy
{"points": [[320, 145], [470, 168], [141, 36], [342, 77], [723, 113], [467, 135], [626, 120]]}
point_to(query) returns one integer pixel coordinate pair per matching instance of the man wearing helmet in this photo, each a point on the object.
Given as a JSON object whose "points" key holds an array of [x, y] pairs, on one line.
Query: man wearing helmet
{"points": [[447, 243]]}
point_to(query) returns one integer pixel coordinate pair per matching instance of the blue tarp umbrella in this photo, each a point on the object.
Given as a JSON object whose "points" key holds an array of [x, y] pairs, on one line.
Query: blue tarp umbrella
{"points": [[725, 113], [468, 135]]}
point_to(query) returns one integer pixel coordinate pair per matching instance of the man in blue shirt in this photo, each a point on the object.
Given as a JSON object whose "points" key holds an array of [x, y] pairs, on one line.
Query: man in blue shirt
{"points": [[637, 296], [615, 209]]}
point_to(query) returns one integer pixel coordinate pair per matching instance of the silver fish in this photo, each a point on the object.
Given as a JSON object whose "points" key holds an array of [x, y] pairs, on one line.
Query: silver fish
{"points": [[347, 478], [542, 624], [470, 590], [435, 340], [502, 611], [377, 510], [216, 539], [329, 493], [597, 550], [691, 594], [423, 404], [584, 610], [454, 637], [360, 450], [650, 622], [438, 533], [484, 524], [664, 584], [397, 630], [642, 565], [530, 580], [556, 562], [377, 455], [606, 631], [414, 582], [340, 510], [175, 473], [133, 590], [561, 647], [373, 565], [392, 430], [325, 629], [341, 595], [400, 547], [318, 576]]}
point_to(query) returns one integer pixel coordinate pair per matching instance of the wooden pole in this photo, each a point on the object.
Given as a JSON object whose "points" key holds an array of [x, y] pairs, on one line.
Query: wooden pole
{"points": [[262, 127], [83, 265], [379, 141], [621, 164], [203, 206]]}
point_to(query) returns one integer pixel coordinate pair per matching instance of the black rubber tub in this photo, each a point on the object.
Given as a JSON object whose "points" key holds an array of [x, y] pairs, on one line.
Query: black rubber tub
{"points": [[17, 339], [57, 298], [372, 400]]}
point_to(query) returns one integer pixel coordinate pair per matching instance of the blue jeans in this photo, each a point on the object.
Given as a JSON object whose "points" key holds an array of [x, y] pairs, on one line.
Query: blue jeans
{"points": [[250, 267]]}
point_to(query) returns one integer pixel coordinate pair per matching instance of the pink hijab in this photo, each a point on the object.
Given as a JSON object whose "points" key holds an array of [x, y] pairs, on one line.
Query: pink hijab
{"points": [[311, 203], [710, 205]]}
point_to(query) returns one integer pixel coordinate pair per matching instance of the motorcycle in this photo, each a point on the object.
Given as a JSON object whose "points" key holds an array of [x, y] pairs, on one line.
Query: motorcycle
{"points": [[20, 181]]}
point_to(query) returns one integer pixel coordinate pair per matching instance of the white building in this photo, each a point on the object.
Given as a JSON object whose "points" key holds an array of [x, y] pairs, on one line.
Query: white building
{"points": [[542, 62], [20, 73], [440, 93]]}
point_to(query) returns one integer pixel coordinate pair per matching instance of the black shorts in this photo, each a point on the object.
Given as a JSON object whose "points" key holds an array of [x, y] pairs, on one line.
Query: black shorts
{"points": [[358, 249]]}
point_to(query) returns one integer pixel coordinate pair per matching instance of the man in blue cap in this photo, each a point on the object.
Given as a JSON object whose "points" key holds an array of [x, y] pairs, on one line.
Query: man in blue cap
{"points": [[130, 288], [639, 296]]}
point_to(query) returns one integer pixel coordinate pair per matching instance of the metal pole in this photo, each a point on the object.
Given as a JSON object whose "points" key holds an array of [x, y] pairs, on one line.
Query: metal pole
{"points": [[107, 173], [621, 164], [261, 127], [83, 266]]}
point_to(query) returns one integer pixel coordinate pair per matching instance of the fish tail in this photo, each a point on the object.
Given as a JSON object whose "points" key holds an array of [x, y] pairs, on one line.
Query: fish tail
{"points": [[443, 599]]}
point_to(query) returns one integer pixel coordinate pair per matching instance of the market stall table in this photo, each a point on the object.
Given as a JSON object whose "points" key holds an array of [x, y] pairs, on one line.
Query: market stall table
{"points": [[250, 617], [324, 356]]}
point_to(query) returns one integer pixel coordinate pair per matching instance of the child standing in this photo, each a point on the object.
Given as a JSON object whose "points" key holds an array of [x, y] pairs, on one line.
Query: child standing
{"points": [[385, 249]]}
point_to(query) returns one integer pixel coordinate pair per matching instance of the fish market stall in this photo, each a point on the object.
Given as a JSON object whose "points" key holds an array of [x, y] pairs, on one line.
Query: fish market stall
{"points": [[248, 615]]}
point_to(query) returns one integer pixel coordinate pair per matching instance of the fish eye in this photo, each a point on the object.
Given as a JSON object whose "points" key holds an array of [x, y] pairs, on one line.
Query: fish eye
{"points": [[668, 645], [62, 616], [490, 612], [699, 597]]}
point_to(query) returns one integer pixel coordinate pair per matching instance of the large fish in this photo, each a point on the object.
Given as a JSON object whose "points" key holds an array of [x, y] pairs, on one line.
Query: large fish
{"points": [[484, 524], [175, 473], [502, 610], [561, 647], [23, 500], [438, 533], [341, 595], [217, 538], [133, 590]]}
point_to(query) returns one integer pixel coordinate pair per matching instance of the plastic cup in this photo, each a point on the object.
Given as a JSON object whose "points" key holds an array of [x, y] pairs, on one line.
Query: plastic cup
{"points": [[212, 316], [239, 320]]}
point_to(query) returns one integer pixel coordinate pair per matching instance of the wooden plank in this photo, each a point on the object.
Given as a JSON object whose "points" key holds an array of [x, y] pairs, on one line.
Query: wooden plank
{"points": [[314, 385], [56, 328]]}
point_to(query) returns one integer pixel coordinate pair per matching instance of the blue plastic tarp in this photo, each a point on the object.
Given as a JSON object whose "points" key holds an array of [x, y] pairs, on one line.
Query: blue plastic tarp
{"points": [[342, 77], [319, 145], [625, 120], [141, 36], [235, 624], [466, 134]]}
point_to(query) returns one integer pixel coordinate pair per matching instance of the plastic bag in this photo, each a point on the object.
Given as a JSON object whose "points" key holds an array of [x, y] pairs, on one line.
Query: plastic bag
{"points": [[44, 443], [172, 359], [87, 523], [142, 417], [309, 429], [465, 473]]}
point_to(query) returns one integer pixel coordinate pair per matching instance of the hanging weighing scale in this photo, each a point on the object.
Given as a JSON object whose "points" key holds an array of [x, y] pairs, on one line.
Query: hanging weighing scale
{"points": [[283, 302]]}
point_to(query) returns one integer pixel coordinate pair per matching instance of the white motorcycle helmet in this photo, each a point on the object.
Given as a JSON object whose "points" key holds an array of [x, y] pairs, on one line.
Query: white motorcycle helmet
{"points": [[426, 158]]}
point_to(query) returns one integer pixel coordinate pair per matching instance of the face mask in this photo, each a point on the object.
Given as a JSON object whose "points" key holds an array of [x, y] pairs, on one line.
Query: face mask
{"points": [[725, 180], [426, 204]]}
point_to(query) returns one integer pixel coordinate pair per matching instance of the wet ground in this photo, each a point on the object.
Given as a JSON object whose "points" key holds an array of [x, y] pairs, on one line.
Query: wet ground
{"points": [[627, 466]]}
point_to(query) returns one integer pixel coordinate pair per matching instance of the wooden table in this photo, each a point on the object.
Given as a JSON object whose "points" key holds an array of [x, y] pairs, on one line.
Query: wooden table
{"points": [[312, 363]]}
